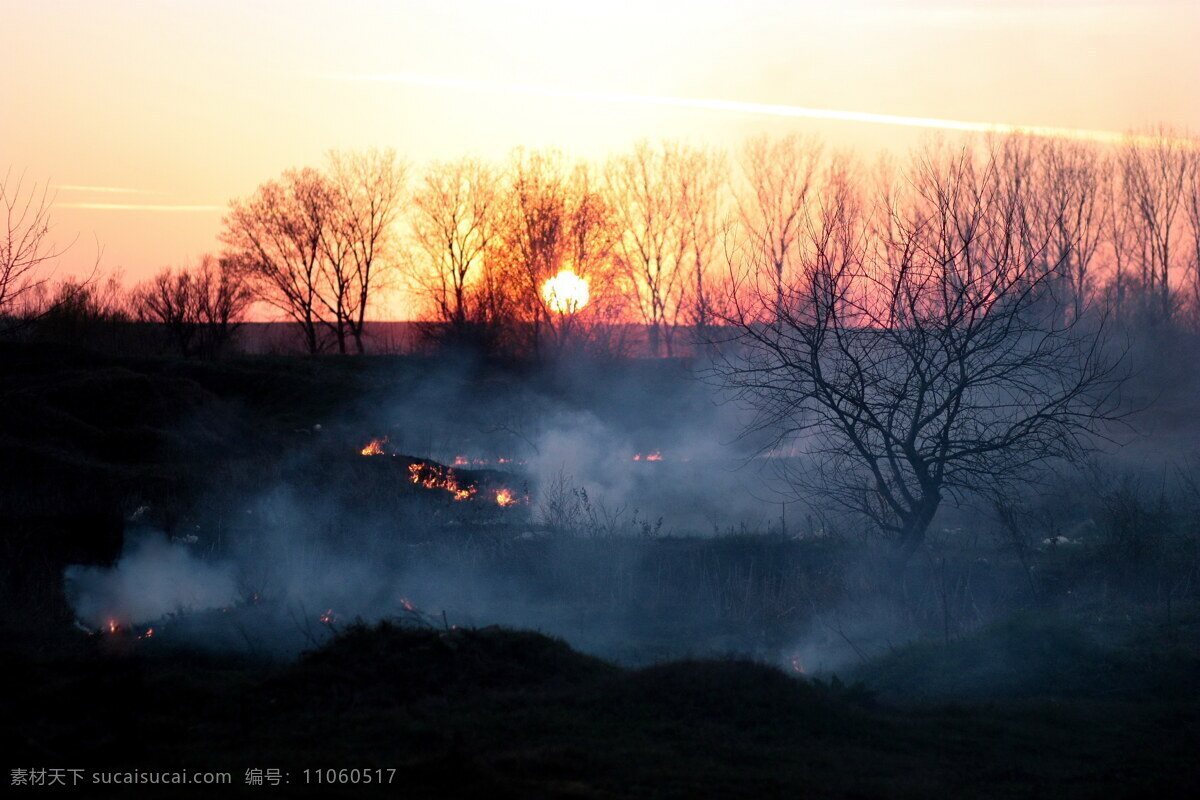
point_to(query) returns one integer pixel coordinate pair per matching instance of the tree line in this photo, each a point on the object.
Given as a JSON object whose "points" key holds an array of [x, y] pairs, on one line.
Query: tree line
{"points": [[671, 236]]}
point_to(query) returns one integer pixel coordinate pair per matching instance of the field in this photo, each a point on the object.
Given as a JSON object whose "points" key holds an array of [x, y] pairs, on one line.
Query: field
{"points": [[645, 618]]}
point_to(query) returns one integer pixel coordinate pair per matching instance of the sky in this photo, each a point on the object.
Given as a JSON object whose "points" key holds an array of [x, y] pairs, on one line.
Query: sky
{"points": [[146, 118]]}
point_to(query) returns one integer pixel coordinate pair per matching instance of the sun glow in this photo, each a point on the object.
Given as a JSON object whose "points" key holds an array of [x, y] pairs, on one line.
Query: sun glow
{"points": [[565, 293]]}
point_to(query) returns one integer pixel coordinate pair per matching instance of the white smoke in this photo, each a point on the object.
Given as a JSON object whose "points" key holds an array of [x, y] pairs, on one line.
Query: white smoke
{"points": [[152, 578]]}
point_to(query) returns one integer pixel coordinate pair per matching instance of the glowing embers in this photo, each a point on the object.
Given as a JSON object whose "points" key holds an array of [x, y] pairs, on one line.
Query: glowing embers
{"points": [[116, 630], [654, 456], [565, 293], [375, 448]]}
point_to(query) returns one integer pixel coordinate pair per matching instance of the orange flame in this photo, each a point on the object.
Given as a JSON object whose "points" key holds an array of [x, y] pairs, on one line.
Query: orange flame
{"points": [[655, 456], [113, 627], [505, 498], [797, 665], [434, 477], [329, 617], [375, 448]]}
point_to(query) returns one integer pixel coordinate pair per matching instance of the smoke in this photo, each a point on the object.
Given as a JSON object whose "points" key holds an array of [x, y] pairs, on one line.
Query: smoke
{"points": [[153, 578], [317, 536], [327, 536]]}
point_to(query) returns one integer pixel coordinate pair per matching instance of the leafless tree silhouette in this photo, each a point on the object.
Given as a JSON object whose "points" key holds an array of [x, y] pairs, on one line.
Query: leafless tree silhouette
{"points": [[25, 249], [276, 237], [313, 244], [916, 355], [454, 222], [553, 217], [367, 189], [199, 309], [1154, 177], [772, 200]]}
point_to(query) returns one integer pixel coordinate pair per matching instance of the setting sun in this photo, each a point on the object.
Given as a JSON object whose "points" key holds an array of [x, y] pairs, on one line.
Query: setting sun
{"points": [[565, 293]]}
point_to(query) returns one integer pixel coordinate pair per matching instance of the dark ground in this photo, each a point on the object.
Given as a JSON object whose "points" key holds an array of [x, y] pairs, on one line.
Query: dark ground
{"points": [[1087, 697]]}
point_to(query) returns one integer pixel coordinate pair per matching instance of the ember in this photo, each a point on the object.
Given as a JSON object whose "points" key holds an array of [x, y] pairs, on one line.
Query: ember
{"points": [[655, 456]]}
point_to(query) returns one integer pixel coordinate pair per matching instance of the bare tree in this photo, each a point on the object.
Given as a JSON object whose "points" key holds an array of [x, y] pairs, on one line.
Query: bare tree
{"points": [[367, 188], [1154, 180], [25, 248], [313, 245], [1192, 204], [454, 224], [1071, 189], [553, 217], [654, 247], [199, 309], [85, 312], [777, 178], [1120, 244], [919, 362], [275, 237], [704, 175]]}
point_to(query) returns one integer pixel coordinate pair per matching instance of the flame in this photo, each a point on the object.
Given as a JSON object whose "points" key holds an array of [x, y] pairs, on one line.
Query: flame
{"points": [[434, 477], [149, 634], [375, 448], [113, 627], [797, 665], [407, 605], [655, 456], [566, 292], [328, 617], [505, 498]]}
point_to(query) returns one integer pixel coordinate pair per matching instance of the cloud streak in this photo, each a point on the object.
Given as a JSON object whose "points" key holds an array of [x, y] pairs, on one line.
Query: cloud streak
{"points": [[742, 107], [137, 207], [64, 187]]}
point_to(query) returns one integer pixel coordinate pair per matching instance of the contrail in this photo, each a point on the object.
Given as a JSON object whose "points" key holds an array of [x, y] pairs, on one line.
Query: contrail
{"points": [[738, 106], [107, 189], [135, 207]]}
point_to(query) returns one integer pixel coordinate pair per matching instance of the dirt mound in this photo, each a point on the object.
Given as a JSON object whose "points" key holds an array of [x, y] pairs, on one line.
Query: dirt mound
{"points": [[398, 663]]}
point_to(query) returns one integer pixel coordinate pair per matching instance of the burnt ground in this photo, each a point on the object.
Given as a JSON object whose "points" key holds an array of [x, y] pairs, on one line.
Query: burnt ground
{"points": [[1086, 687]]}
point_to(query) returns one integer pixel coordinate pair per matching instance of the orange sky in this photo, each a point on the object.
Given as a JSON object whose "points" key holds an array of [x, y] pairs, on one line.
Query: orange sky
{"points": [[184, 105]]}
